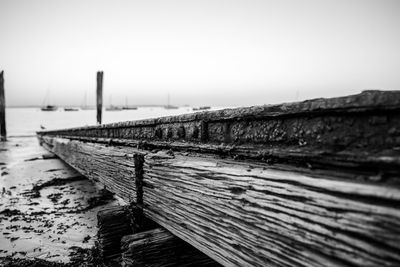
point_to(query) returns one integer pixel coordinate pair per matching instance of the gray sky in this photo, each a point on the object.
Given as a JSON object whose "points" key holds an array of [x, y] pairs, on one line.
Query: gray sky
{"points": [[202, 52]]}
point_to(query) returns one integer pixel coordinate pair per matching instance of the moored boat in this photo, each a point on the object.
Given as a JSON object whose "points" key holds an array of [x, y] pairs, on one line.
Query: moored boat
{"points": [[202, 108], [71, 109], [113, 108], [49, 108], [129, 108]]}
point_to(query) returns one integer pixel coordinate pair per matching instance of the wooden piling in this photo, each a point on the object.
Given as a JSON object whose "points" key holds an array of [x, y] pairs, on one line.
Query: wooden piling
{"points": [[3, 132], [99, 95], [113, 224], [158, 247]]}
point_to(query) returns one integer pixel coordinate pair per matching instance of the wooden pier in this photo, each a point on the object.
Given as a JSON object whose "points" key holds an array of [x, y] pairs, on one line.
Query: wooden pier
{"points": [[312, 183]]}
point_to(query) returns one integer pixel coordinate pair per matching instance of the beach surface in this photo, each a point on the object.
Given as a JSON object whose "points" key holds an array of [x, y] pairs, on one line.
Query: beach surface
{"points": [[47, 209]]}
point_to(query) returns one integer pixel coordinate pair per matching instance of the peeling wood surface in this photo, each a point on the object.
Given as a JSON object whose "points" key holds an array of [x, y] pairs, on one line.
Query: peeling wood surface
{"points": [[256, 216]]}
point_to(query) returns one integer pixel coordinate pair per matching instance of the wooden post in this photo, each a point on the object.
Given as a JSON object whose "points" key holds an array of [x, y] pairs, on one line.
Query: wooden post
{"points": [[113, 224], [137, 209], [99, 95], [3, 132]]}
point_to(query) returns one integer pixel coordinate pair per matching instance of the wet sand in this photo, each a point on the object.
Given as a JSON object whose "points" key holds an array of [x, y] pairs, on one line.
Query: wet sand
{"points": [[47, 209]]}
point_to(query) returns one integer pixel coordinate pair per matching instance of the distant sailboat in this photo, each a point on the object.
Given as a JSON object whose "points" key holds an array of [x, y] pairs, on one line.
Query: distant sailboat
{"points": [[46, 106], [127, 106], [84, 104], [202, 108], [112, 107], [71, 109], [49, 108], [168, 106]]}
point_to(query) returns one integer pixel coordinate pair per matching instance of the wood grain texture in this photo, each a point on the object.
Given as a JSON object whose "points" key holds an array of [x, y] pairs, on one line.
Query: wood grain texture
{"points": [[243, 215], [113, 167], [113, 223], [158, 247]]}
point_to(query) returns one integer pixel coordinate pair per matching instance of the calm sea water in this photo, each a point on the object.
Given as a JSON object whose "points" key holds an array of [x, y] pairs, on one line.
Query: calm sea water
{"points": [[26, 121]]}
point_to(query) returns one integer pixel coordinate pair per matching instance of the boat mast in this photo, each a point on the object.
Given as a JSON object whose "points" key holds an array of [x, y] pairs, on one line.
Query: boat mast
{"points": [[46, 98], [85, 100]]}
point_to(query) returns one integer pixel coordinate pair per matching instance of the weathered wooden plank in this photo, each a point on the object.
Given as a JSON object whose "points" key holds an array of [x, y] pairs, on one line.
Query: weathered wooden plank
{"points": [[113, 167], [360, 131], [255, 215], [244, 213], [113, 223], [159, 247], [342, 210]]}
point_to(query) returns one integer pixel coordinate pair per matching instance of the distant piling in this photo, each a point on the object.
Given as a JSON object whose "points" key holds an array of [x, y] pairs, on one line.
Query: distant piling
{"points": [[3, 132], [99, 95]]}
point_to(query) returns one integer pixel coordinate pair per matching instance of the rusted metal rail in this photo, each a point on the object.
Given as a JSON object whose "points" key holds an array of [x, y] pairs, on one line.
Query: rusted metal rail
{"points": [[313, 183]]}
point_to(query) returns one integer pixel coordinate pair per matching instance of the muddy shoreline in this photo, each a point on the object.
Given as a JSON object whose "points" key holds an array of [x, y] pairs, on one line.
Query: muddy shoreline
{"points": [[47, 210]]}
